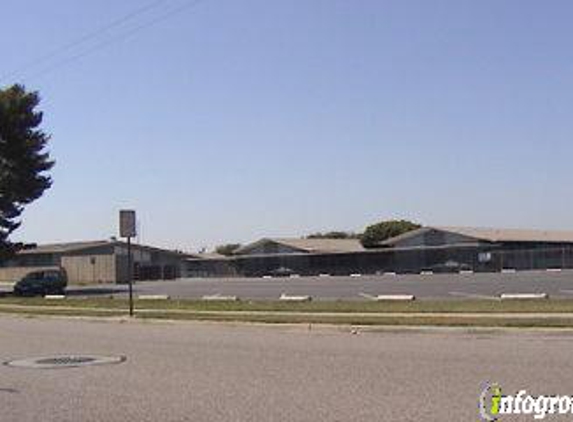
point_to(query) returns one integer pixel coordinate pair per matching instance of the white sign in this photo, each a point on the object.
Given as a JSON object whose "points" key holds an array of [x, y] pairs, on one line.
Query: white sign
{"points": [[127, 223]]}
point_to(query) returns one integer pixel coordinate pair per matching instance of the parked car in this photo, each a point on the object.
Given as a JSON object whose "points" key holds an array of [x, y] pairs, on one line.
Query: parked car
{"points": [[45, 282], [281, 272], [450, 267]]}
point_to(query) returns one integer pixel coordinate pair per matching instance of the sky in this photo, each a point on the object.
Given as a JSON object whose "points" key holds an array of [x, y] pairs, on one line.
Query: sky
{"points": [[226, 121]]}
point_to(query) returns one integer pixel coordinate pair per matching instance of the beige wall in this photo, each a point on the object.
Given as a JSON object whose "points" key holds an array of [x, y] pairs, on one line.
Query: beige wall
{"points": [[81, 270], [102, 265]]}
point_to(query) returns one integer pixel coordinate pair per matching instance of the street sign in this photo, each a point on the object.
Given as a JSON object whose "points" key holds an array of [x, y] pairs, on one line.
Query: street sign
{"points": [[127, 229], [127, 223]]}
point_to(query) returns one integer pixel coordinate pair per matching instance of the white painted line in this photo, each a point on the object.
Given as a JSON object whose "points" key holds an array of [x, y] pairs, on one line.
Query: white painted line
{"points": [[153, 297], [466, 272], [288, 298], [381, 298], [267, 276], [508, 270], [473, 295], [355, 275], [387, 297], [295, 276], [508, 296], [324, 275], [54, 297], [390, 273], [553, 270], [221, 298], [426, 272]]}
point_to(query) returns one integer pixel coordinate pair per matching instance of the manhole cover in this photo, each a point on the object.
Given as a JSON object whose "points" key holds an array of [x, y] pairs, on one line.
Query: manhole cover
{"points": [[66, 361]]}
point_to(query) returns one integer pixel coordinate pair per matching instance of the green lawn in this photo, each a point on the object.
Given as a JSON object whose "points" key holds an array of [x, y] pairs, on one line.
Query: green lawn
{"points": [[423, 306], [461, 313]]}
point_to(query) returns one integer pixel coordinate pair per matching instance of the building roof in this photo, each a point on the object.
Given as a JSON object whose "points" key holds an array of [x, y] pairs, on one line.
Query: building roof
{"points": [[64, 247], [319, 245], [69, 247], [512, 235], [494, 235], [207, 255]]}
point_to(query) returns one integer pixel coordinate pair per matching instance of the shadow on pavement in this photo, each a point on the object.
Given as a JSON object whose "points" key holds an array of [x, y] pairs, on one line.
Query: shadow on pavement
{"points": [[94, 291]]}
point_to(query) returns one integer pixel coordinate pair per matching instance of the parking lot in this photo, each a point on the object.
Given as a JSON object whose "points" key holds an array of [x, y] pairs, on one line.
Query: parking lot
{"points": [[435, 286]]}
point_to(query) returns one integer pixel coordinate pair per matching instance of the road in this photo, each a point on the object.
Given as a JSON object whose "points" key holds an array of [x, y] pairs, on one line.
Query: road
{"points": [[208, 372], [444, 286]]}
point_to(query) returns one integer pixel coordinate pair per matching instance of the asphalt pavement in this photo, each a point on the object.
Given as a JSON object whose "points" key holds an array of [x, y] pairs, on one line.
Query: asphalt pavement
{"points": [[219, 372], [436, 286], [430, 286]]}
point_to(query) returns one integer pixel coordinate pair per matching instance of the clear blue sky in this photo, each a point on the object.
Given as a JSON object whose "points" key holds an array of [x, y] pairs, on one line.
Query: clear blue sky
{"points": [[233, 120]]}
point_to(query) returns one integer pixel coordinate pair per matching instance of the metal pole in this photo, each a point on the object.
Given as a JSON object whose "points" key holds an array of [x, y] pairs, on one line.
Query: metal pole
{"points": [[129, 276], [531, 259]]}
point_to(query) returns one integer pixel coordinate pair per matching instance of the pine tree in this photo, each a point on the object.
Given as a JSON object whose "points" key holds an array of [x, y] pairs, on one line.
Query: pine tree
{"points": [[24, 160]]}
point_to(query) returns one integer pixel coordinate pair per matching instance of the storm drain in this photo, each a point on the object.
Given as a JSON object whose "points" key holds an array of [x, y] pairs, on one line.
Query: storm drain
{"points": [[66, 361]]}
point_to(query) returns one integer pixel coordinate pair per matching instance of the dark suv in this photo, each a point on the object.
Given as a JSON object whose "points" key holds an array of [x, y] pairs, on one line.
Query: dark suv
{"points": [[45, 282]]}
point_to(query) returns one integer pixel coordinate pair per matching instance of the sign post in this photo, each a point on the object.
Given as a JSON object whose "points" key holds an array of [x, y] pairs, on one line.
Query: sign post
{"points": [[127, 229]]}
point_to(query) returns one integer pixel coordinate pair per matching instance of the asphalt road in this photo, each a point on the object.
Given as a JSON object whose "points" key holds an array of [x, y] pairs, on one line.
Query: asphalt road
{"points": [[208, 372], [447, 286]]}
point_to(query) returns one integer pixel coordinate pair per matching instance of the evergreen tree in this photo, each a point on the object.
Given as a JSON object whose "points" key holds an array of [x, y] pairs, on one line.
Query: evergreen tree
{"points": [[24, 160]]}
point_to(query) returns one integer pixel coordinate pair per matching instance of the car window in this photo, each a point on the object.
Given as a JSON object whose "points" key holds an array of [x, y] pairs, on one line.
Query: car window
{"points": [[33, 276]]}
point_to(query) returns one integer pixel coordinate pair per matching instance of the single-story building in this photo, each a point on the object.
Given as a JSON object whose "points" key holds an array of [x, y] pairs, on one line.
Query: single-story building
{"points": [[507, 239], [100, 261], [209, 265], [438, 249]]}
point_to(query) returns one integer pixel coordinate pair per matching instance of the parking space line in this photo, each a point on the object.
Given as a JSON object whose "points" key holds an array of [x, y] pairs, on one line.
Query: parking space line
{"points": [[291, 298], [508, 271], [398, 297], [522, 296]]}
